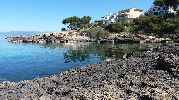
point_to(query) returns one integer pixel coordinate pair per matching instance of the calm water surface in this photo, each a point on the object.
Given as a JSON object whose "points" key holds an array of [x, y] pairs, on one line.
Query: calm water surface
{"points": [[28, 61]]}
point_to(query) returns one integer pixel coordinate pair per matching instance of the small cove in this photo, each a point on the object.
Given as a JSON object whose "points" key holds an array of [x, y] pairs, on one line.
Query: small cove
{"points": [[28, 61]]}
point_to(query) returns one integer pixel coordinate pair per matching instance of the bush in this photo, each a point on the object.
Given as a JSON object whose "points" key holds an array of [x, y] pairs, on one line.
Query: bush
{"points": [[116, 27], [156, 25], [97, 33], [63, 29]]}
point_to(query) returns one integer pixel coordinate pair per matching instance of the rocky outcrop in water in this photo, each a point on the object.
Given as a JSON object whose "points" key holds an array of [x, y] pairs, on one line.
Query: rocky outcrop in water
{"points": [[74, 36], [141, 75], [54, 37]]}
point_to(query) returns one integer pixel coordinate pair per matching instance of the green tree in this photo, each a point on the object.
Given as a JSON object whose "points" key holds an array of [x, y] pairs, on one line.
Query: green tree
{"points": [[76, 22], [63, 29], [134, 28], [159, 2], [159, 25], [116, 27], [172, 3], [85, 22], [168, 3], [72, 22], [86, 19]]}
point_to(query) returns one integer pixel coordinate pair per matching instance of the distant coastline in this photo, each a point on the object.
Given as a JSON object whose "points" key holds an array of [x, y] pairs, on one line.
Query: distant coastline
{"points": [[75, 36]]}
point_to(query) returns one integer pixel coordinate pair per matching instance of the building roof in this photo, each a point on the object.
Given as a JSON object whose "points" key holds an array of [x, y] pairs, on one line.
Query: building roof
{"points": [[138, 10], [128, 10]]}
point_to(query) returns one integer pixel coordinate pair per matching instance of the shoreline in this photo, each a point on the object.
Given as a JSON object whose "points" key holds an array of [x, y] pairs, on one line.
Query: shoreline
{"points": [[139, 75], [75, 36]]}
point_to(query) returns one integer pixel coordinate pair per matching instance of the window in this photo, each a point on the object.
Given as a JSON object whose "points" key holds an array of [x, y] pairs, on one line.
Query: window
{"points": [[162, 13], [164, 8], [158, 8], [153, 9], [155, 13]]}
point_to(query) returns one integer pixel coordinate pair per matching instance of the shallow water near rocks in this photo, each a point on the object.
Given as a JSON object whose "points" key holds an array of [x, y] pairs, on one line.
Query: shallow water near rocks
{"points": [[28, 61]]}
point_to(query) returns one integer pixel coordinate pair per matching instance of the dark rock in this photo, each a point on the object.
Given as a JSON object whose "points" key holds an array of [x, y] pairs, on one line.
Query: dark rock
{"points": [[145, 75], [145, 97]]}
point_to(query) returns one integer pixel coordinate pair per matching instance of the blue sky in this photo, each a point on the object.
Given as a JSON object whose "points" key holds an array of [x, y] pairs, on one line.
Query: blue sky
{"points": [[47, 15]]}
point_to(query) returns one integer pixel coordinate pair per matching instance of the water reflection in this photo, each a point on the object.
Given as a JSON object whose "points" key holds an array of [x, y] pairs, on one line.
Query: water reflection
{"points": [[78, 52], [28, 61]]}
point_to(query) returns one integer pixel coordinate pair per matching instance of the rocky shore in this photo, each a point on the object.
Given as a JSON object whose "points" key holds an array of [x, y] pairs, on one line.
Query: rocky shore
{"points": [[74, 36], [144, 75], [54, 37]]}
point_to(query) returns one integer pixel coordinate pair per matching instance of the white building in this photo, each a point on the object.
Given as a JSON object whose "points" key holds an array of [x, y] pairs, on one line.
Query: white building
{"points": [[129, 14], [160, 10], [122, 16], [110, 18], [170, 10]]}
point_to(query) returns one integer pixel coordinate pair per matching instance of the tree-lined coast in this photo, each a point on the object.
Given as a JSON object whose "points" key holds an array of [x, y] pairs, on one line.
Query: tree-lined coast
{"points": [[147, 27]]}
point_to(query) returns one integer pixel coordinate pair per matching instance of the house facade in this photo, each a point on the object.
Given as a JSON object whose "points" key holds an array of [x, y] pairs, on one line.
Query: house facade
{"points": [[110, 18], [160, 10], [123, 16], [129, 15]]}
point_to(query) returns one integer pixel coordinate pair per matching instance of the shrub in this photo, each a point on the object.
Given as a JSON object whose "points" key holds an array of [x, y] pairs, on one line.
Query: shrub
{"points": [[97, 33], [63, 29], [116, 27]]}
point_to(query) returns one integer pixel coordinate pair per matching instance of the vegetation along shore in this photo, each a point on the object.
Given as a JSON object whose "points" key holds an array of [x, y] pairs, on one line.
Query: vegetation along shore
{"points": [[159, 24]]}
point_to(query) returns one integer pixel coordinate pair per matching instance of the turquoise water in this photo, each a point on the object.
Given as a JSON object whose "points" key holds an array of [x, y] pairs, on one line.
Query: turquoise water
{"points": [[28, 61]]}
